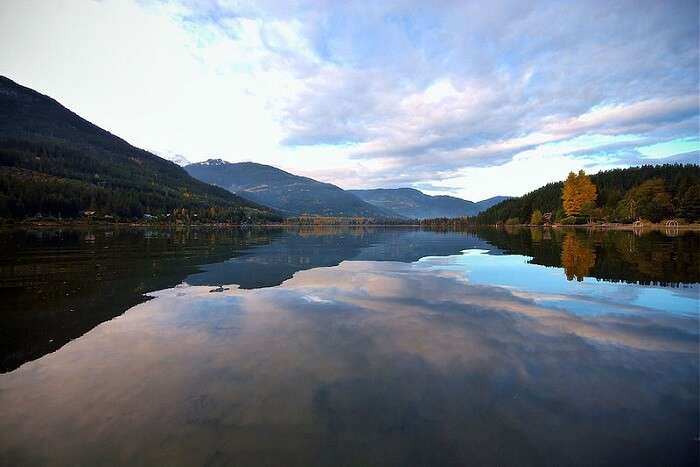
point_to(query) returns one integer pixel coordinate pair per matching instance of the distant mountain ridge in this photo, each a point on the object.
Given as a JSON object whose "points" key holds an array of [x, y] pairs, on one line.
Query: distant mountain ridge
{"points": [[55, 163], [414, 204], [291, 194]]}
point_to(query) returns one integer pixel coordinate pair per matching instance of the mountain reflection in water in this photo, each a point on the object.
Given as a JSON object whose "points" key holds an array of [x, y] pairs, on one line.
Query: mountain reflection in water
{"points": [[365, 347]]}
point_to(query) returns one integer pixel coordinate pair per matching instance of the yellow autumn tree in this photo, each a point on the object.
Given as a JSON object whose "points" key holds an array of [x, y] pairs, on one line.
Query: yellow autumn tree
{"points": [[578, 194]]}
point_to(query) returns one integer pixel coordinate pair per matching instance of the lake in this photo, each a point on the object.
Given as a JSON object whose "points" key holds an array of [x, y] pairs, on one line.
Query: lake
{"points": [[348, 346]]}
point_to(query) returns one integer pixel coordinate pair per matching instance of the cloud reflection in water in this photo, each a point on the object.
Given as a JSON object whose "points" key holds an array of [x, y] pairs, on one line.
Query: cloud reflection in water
{"points": [[374, 363]]}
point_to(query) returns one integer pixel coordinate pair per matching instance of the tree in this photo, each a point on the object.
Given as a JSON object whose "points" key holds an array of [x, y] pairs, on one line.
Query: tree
{"points": [[579, 193], [649, 200], [689, 203], [536, 218], [568, 195]]}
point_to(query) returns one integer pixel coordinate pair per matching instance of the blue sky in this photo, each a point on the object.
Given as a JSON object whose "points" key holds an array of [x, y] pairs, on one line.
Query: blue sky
{"points": [[450, 97]]}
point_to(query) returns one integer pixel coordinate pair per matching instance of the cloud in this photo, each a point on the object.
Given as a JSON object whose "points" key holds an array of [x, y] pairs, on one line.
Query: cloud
{"points": [[435, 188], [368, 94], [636, 117], [494, 89]]}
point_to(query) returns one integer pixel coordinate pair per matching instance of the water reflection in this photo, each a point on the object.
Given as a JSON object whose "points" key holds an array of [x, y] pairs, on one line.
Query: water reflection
{"points": [[647, 257], [269, 264], [365, 363], [576, 257], [57, 284]]}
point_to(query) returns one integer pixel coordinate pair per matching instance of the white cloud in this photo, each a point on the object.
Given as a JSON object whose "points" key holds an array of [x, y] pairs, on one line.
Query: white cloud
{"points": [[495, 101]]}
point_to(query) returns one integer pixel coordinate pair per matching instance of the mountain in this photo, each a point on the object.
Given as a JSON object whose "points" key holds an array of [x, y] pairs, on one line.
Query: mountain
{"points": [[289, 193], [484, 204], [53, 162], [656, 191], [415, 204], [179, 159]]}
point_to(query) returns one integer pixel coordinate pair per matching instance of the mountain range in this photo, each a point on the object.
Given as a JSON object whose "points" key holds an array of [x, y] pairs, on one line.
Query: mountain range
{"points": [[290, 194], [296, 195], [414, 204], [53, 162]]}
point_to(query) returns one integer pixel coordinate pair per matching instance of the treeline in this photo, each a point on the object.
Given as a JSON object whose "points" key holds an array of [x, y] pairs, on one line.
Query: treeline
{"points": [[357, 220], [649, 193], [66, 181]]}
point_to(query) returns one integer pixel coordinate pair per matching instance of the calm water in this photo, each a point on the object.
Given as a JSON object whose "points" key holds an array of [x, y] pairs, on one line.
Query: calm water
{"points": [[338, 346]]}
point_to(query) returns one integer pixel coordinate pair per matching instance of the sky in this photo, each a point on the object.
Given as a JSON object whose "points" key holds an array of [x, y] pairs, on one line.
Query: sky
{"points": [[470, 99]]}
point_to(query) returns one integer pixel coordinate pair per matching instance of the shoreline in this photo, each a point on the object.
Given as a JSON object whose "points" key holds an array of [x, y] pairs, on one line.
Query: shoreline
{"points": [[19, 224], [688, 227], [83, 224]]}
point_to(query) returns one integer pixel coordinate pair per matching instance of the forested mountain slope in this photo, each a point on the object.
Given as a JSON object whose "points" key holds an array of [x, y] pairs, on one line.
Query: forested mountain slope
{"points": [[55, 163], [292, 194], [653, 192]]}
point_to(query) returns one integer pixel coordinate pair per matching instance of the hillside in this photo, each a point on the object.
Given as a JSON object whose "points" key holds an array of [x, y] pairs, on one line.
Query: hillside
{"points": [[291, 194], [415, 204], [668, 191], [55, 163], [483, 205]]}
